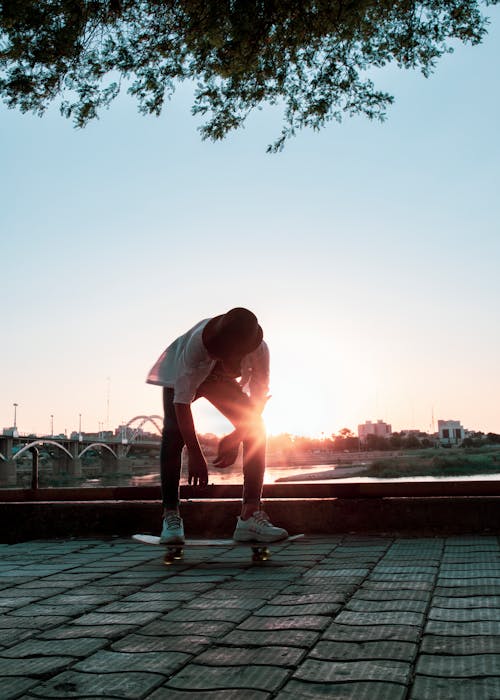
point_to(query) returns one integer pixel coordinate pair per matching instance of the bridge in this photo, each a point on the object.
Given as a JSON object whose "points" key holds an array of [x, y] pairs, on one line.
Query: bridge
{"points": [[113, 449]]}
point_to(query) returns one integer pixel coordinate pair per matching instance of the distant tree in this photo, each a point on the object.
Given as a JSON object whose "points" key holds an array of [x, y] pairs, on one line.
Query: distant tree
{"points": [[346, 433], [313, 58], [411, 442], [395, 441], [377, 442], [345, 441]]}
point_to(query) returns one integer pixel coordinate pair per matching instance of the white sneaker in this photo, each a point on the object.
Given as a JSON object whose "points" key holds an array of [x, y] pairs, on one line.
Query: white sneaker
{"points": [[173, 529], [259, 528]]}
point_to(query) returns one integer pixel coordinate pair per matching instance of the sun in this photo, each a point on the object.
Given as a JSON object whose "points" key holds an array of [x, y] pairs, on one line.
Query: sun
{"points": [[296, 410]]}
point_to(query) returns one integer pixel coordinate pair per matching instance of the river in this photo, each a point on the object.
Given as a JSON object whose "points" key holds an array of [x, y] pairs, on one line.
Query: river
{"points": [[297, 474]]}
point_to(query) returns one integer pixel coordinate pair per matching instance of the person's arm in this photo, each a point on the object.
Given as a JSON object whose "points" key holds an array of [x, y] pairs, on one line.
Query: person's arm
{"points": [[259, 378], [197, 464]]}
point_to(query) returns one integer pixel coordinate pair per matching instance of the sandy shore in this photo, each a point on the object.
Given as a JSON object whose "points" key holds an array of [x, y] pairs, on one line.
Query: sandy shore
{"points": [[338, 473]]}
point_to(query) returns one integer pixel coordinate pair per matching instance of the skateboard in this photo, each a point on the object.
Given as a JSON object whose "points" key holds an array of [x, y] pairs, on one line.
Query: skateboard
{"points": [[175, 552]]}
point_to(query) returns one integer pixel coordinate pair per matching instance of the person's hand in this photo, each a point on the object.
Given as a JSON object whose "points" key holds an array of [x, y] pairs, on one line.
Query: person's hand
{"points": [[197, 469], [228, 450]]}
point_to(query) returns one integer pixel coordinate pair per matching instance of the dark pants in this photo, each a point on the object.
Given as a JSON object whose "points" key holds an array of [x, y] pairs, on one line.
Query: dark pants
{"points": [[226, 395]]}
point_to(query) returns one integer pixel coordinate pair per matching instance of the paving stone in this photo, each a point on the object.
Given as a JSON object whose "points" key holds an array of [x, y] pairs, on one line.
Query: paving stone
{"points": [[43, 608], [49, 587], [231, 694], [72, 684], [403, 578], [240, 656], [471, 666], [483, 568], [455, 582], [365, 593], [319, 671], [128, 618], [464, 615], [201, 628], [253, 587], [171, 585], [488, 558], [158, 606], [37, 666], [318, 587], [291, 638], [473, 589], [411, 585], [350, 651], [384, 569], [11, 688], [15, 601], [191, 614], [114, 661], [295, 690], [356, 605], [279, 576], [467, 602], [431, 688], [197, 677], [226, 601], [82, 631], [36, 622], [288, 610], [331, 597], [462, 629], [432, 644], [347, 617], [342, 574], [304, 622], [206, 578], [13, 636], [60, 647], [140, 643], [354, 633]]}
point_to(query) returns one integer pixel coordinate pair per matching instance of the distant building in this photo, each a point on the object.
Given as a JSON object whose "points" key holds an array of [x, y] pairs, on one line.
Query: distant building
{"points": [[450, 432], [380, 429], [11, 432]]}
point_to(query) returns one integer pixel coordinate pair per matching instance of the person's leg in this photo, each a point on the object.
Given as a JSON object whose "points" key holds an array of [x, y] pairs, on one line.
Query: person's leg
{"points": [[227, 396], [170, 457]]}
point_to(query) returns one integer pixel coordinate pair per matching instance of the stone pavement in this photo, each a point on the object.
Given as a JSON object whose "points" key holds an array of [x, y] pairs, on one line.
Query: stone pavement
{"points": [[370, 618]]}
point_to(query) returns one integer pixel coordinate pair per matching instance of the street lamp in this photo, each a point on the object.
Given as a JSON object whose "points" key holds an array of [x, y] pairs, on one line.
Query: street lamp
{"points": [[79, 427], [15, 414], [51, 425]]}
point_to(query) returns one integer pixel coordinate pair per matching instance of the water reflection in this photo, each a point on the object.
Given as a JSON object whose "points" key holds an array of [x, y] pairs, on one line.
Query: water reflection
{"points": [[310, 474]]}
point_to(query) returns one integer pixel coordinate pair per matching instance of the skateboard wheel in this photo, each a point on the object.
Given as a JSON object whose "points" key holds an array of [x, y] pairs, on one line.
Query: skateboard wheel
{"points": [[173, 554], [260, 554]]}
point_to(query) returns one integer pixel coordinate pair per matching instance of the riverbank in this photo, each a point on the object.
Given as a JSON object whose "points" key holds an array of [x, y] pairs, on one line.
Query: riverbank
{"points": [[326, 475], [420, 463]]}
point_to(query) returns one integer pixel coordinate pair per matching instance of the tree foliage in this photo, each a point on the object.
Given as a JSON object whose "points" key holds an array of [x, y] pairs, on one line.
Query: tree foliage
{"points": [[313, 58]]}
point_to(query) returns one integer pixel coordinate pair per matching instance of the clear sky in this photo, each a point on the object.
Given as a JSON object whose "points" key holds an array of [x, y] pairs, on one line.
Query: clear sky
{"points": [[370, 253]]}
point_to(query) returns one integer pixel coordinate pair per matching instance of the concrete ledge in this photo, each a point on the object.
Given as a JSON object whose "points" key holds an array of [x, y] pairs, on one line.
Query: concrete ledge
{"points": [[310, 490], [20, 521]]}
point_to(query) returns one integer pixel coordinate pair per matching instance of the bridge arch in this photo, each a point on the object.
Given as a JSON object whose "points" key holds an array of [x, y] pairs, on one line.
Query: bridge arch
{"points": [[96, 445], [42, 442], [155, 420]]}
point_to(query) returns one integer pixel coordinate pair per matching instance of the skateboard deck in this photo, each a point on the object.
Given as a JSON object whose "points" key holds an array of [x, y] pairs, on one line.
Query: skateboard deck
{"points": [[260, 550]]}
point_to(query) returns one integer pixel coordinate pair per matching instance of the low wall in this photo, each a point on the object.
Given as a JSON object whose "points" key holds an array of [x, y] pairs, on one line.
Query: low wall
{"points": [[20, 521]]}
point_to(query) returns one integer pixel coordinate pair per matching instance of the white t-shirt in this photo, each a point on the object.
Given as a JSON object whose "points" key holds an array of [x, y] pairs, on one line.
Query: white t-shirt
{"points": [[185, 364]]}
